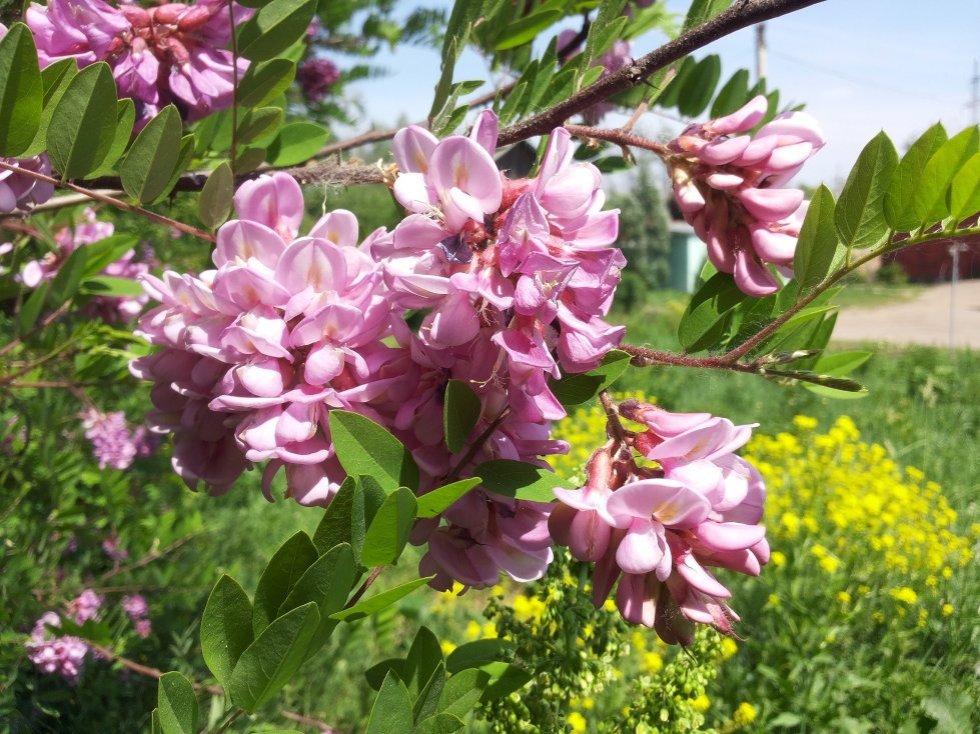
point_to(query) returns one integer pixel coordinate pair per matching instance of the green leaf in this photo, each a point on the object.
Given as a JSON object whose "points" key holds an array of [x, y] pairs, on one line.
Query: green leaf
{"points": [[462, 692], [215, 201], [424, 657], [378, 602], [83, 125], [111, 286], [388, 532], [69, 277], [461, 411], [899, 211], [368, 498], [335, 527], [365, 448], [226, 628], [434, 502], [258, 124], [176, 704], [699, 86], [576, 389], [32, 307], [125, 117], [392, 710], [274, 28], [525, 29], [55, 78], [478, 653], [296, 143], [964, 200], [519, 480], [441, 723], [265, 81], [860, 215], [701, 11], [21, 91], [105, 251], [931, 197], [327, 582], [155, 722], [270, 661], [818, 251], [842, 363], [375, 675], [186, 152], [733, 94], [513, 678], [285, 568], [150, 161], [427, 701], [461, 20], [704, 319]]}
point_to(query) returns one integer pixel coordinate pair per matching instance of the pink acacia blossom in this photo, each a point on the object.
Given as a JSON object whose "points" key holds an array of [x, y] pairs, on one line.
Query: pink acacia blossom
{"points": [[259, 350], [171, 53], [59, 655], [729, 188], [658, 531]]}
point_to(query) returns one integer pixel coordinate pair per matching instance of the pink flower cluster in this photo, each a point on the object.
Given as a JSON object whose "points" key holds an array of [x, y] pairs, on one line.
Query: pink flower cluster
{"points": [[64, 655], [728, 187], [173, 52], [138, 611], [513, 277], [316, 77], [114, 443], [108, 308], [659, 530]]}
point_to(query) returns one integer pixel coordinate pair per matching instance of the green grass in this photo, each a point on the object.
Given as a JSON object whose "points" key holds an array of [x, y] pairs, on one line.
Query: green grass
{"points": [[868, 295]]}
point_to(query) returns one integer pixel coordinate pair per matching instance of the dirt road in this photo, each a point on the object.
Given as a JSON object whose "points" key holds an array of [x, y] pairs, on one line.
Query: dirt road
{"points": [[924, 320]]}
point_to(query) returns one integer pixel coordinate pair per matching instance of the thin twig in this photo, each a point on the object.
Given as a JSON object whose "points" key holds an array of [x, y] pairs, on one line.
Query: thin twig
{"points": [[156, 674], [622, 137], [148, 558], [364, 587], [614, 427], [48, 320], [476, 446], [739, 15], [299, 719], [118, 203]]}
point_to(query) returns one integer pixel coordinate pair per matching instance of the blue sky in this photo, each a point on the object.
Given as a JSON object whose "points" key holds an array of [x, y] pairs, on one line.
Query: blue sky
{"points": [[859, 65]]}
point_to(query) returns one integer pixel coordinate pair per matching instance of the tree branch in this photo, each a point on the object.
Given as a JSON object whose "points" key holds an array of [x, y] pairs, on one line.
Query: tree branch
{"points": [[105, 198], [741, 14]]}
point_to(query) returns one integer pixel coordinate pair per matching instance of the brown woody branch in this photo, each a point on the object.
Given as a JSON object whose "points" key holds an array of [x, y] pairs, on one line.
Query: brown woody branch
{"points": [[741, 14]]}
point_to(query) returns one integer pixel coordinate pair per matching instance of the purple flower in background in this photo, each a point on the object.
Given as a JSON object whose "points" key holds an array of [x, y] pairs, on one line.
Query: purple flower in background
{"points": [[112, 549], [316, 77], [112, 441], [85, 606], [108, 308], [135, 606], [64, 656], [172, 53]]}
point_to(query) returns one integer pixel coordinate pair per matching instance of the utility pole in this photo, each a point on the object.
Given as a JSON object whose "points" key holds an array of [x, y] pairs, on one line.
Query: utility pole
{"points": [[760, 53]]}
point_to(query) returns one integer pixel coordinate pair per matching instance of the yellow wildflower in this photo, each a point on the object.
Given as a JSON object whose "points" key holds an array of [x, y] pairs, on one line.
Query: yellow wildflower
{"points": [[947, 609], [702, 703], [904, 594], [745, 713], [577, 722]]}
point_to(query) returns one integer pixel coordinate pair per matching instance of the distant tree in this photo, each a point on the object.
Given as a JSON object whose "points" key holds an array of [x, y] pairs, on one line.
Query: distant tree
{"points": [[643, 235]]}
